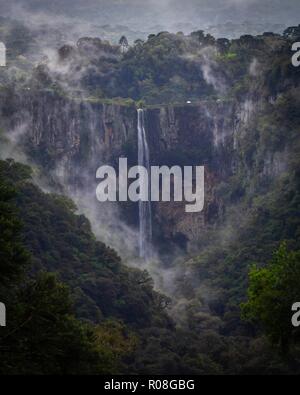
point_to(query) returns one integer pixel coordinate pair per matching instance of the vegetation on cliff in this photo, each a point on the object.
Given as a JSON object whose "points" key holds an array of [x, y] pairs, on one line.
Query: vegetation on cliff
{"points": [[171, 68]]}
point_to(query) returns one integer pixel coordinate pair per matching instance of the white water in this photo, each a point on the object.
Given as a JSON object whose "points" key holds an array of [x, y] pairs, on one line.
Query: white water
{"points": [[145, 219]]}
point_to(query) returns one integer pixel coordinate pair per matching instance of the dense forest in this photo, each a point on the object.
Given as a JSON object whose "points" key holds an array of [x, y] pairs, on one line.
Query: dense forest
{"points": [[74, 306], [108, 318], [166, 68]]}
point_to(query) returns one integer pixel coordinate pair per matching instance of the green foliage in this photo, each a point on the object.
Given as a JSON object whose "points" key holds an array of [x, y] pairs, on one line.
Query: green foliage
{"points": [[43, 335], [13, 256], [272, 292], [114, 343]]}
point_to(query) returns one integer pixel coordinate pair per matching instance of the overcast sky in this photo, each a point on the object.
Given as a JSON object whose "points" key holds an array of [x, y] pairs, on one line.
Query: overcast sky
{"points": [[139, 13]]}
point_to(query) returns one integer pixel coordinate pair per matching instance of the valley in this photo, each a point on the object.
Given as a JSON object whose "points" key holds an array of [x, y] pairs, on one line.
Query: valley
{"points": [[155, 289]]}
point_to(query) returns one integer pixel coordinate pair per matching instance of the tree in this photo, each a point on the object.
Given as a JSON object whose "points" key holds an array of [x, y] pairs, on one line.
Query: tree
{"points": [[198, 35], [292, 32], [223, 44], [13, 256], [42, 334], [124, 44], [272, 292], [139, 43]]}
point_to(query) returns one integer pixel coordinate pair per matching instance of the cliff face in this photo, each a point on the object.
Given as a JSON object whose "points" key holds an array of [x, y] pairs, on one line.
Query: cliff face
{"points": [[204, 133], [72, 138], [62, 133]]}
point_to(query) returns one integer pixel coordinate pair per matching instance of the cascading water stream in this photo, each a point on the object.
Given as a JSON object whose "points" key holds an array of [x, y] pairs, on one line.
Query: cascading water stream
{"points": [[145, 218]]}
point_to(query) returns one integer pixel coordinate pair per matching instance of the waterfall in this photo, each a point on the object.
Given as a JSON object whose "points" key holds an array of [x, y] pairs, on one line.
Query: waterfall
{"points": [[145, 219]]}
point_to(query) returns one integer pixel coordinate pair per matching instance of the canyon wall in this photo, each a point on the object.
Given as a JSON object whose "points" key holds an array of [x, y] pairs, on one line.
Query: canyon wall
{"points": [[71, 138]]}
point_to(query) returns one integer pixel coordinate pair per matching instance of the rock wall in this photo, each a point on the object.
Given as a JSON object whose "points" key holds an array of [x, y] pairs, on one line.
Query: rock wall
{"points": [[72, 138]]}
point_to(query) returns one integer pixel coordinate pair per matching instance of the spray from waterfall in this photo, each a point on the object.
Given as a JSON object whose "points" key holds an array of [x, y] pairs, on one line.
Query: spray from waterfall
{"points": [[145, 218]]}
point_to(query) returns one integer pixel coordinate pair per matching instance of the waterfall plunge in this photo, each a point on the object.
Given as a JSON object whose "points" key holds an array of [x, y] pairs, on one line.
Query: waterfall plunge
{"points": [[145, 220]]}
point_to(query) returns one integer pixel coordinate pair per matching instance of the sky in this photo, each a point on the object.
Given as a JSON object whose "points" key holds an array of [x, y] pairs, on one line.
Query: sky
{"points": [[139, 14]]}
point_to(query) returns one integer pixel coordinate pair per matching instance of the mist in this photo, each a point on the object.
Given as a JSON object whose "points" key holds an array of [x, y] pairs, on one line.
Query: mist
{"points": [[154, 15]]}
